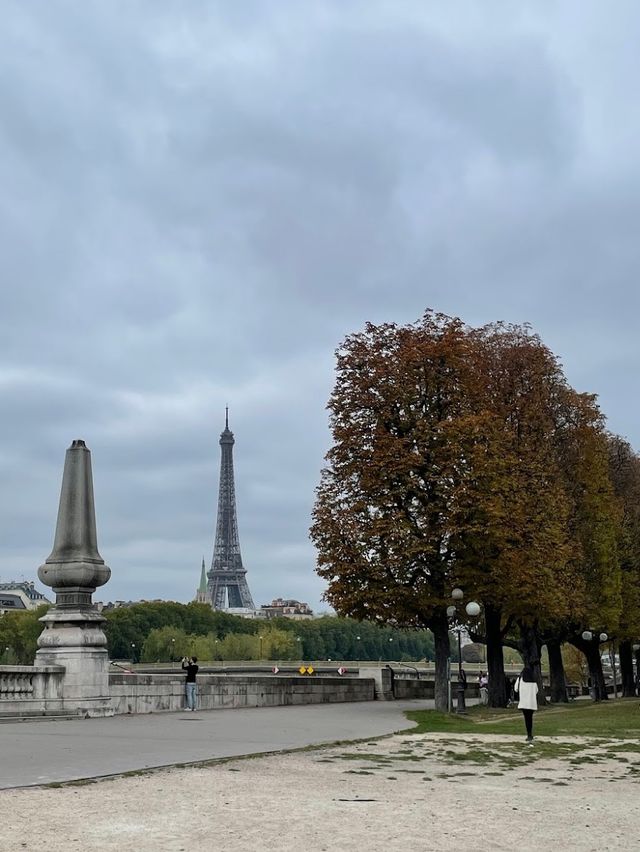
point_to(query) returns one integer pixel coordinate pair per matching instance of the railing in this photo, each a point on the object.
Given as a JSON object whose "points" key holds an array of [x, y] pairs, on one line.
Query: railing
{"points": [[30, 684], [15, 685]]}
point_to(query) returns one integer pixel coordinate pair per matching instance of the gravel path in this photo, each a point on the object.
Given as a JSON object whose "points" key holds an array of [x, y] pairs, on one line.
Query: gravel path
{"points": [[405, 792]]}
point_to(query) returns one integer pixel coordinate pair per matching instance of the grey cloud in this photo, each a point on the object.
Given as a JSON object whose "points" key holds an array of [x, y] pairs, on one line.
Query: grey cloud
{"points": [[200, 202]]}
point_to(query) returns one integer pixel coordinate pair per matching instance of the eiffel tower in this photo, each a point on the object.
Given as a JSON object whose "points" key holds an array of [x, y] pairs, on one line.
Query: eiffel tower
{"points": [[227, 586]]}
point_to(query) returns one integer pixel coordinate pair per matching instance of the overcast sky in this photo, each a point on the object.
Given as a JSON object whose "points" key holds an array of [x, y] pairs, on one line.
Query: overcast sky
{"points": [[200, 200]]}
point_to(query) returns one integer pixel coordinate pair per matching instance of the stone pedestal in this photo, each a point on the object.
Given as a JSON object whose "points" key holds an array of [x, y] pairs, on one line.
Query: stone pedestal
{"points": [[75, 640]]}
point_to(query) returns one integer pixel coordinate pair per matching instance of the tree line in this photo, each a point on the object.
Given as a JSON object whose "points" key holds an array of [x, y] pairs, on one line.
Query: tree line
{"points": [[152, 632], [167, 631], [462, 458]]}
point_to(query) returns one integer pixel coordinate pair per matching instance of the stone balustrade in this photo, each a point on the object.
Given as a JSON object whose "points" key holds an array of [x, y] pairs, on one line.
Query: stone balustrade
{"points": [[40, 690], [31, 690]]}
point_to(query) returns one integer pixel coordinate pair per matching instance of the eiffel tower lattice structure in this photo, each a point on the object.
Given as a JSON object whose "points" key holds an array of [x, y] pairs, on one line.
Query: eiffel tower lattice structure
{"points": [[227, 579]]}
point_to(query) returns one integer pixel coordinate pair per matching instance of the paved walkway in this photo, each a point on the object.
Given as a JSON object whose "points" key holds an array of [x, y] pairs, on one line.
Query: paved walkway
{"points": [[33, 753]]}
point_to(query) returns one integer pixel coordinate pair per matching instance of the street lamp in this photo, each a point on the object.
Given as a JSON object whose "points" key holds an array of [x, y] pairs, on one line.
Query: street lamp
{"points": [[133, 652], [173, 650], [472, 609], [591, 636]]}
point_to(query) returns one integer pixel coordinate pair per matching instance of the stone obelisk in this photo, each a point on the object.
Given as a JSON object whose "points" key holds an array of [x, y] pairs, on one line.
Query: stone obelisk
{"points": [[73, 635]]}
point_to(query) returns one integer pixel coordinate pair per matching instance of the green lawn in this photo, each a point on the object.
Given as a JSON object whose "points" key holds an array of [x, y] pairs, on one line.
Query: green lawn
{"points": [[620, 718]]}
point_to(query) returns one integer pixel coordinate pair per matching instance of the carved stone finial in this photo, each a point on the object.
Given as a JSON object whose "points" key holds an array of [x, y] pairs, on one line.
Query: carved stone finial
{"points": [[75, 563]]}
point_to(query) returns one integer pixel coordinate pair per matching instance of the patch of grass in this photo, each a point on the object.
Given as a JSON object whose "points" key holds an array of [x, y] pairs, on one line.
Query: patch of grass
{"points": [[472, 756], [627, 747], [362, 756], [403, 756], [614, 719]]}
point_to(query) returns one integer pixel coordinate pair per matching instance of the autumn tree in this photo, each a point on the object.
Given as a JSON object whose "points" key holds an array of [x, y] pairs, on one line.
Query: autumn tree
{"points": [[518, 549], [624, 466], [593, 589], [463, 457], [410, 445], [547, 559]]}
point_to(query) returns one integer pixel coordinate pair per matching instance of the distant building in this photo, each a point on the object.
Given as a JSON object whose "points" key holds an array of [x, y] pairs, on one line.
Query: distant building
{"points": [[281, 608], [244, 612], [20, 596], [105, 607]]}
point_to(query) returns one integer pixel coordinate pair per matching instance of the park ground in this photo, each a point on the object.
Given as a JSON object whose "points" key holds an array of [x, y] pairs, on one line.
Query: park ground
{"points": [[448, 783]]}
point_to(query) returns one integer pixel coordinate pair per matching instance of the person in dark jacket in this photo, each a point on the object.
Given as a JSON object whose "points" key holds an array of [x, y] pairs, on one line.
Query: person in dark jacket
{"points": [[189, 664]]}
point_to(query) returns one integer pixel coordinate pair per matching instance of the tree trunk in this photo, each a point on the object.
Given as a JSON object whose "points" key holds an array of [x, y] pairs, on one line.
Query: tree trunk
{"points": [[557, 684], [440, 629], [626, 669], [495, 660], [530, 649]]}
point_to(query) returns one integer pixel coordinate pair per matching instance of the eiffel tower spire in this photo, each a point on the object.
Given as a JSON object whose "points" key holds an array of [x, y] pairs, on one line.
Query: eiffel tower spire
{"points": [[227, 586]]}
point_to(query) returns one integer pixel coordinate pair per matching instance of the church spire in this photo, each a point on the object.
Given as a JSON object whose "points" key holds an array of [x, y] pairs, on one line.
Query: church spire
{"points": [[202, 595]]}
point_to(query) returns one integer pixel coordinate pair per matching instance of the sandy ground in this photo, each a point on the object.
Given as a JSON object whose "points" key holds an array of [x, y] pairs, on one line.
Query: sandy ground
{"points": [[406, 792]]}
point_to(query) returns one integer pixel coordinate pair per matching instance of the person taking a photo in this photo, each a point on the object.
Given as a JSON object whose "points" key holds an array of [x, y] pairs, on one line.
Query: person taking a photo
{"points": [[189, 664]]}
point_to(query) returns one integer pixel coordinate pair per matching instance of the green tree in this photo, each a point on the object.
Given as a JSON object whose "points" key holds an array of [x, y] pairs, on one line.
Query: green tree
{"points": [[129, 626], [19, 632], [239, 646], [278, 644], [165, 644]]}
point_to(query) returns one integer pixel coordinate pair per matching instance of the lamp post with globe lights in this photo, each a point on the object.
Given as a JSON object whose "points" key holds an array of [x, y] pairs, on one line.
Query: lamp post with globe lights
{"points": [[597, 639], [636, 651], [472, 609]]}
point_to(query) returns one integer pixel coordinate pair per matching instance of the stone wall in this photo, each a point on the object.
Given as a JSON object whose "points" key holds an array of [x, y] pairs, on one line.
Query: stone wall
{"points": [[407, 688], [146, 693]]}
